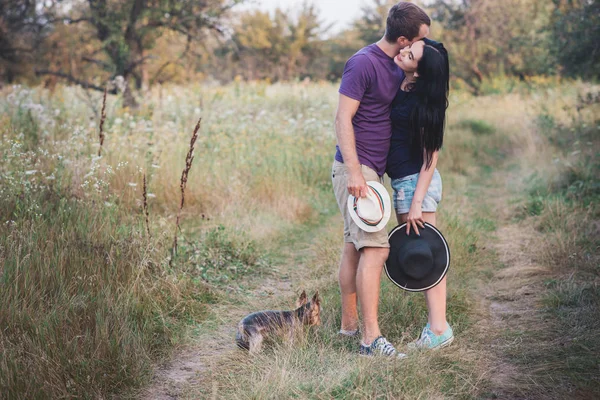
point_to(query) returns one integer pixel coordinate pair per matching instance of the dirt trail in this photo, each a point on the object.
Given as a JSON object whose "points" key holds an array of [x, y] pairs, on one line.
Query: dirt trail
{"points": [[512, 296], [189, 364]]}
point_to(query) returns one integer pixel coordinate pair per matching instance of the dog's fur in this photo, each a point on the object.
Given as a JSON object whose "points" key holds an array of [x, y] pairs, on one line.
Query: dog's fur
{"points": [[253, 328]]}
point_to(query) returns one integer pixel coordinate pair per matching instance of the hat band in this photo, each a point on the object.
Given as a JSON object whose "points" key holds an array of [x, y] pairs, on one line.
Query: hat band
{"points": [[366, 221]]}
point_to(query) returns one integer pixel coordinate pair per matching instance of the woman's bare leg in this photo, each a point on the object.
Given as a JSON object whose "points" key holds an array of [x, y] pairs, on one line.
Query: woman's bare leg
{"points": [[436, 296]]}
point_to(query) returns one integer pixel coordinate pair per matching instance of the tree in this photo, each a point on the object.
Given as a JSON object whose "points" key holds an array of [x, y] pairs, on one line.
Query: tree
{"points": [[127, 31], [21, 29], [282, 46], [576, 29], [371, 25], [486, 37]]}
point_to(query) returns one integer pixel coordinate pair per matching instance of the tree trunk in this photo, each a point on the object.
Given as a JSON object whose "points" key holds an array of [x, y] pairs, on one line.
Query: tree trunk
{"points": [[128, 97]]}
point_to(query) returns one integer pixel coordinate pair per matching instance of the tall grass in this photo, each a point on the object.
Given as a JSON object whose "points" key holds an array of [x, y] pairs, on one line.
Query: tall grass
{"points": [[89, 302]]}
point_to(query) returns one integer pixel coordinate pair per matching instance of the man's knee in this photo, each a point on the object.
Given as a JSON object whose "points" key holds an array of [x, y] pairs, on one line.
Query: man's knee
{"points": [[376, 253]]}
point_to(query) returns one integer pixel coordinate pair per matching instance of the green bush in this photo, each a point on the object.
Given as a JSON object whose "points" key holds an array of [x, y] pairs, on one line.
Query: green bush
{"points": [[478, 127]]}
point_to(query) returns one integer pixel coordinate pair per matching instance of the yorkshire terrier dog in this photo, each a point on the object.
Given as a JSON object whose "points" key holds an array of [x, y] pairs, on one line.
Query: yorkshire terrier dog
{"points": [[254, 328]]}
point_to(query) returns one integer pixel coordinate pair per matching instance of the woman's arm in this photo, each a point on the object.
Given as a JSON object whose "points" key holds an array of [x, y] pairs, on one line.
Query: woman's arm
{"points": [[415, 214]]}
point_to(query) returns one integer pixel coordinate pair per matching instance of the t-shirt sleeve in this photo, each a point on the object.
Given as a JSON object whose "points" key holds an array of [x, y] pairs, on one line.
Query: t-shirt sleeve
{"points": [[357, 76]]}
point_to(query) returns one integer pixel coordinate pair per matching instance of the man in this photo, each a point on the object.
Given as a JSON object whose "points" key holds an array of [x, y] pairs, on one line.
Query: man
{"points": [[363, 129]]}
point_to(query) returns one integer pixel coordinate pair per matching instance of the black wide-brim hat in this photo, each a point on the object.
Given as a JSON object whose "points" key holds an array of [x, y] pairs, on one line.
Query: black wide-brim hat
{"points": [[417, 263]]}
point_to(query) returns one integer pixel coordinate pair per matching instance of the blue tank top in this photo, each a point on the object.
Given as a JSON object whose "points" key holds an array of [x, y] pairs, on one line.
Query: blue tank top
{"points": [[404, 157]]}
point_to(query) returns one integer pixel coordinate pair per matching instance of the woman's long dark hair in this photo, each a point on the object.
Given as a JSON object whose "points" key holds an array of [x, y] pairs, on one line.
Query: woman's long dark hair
{"points": [[431, 88]]}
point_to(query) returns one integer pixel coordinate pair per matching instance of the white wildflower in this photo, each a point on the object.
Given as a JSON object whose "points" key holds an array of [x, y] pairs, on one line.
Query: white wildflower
{"points": [[31, 172], [108, 204], [118, 121]]}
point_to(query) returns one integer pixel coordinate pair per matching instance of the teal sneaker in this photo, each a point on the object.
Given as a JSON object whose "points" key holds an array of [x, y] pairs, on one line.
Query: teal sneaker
{"points": [[380, 347], [431, 341]]}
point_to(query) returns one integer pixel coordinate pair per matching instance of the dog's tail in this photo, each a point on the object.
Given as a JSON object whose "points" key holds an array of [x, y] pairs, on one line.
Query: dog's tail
{"points": [[241, 337]]}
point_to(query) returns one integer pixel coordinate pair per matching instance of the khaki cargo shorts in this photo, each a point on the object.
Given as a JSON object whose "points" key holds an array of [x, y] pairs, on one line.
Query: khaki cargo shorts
{"points": [[352, 233]]}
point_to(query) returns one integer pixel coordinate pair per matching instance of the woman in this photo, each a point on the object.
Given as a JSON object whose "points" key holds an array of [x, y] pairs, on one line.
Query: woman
{"points": [[418, 115]]}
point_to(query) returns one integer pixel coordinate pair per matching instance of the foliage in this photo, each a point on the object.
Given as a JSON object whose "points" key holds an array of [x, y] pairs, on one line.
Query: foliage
{"points": [[277, 47], [371, 25], [575, 29], [220, 257], [486, 38], [91, 41], [127, 31], [477, 126], [21, 28]]}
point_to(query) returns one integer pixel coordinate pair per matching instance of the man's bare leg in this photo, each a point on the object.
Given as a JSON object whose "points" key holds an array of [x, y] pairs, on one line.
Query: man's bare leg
{"points": [[347, 280], [368, 279]]}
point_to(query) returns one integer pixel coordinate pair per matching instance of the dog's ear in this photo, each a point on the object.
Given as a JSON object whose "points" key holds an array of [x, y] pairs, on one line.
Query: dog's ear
{"points": [[302, 300], [316, 299]]}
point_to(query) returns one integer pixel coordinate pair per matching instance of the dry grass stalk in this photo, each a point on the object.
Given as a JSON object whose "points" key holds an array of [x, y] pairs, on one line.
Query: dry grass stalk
{"points": [[145, 204], [184, 176], [102, 118]]}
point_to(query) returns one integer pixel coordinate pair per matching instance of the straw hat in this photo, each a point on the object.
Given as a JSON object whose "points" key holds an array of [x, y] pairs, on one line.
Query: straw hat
{"points": [[371, 213]]}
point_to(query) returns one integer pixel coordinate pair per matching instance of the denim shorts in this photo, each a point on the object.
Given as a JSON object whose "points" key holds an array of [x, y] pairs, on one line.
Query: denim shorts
{"points": [[404, 190]]}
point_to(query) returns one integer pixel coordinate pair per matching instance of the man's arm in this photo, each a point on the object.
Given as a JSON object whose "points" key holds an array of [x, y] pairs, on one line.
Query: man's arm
{"points": [[344, 131]]}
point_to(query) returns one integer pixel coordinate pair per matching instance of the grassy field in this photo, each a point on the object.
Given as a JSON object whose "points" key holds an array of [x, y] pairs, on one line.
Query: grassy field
{"points": [[91, 300]]}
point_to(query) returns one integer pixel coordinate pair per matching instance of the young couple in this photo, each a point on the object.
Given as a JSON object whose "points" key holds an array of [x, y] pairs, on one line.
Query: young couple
{"points": [[390, 118]]}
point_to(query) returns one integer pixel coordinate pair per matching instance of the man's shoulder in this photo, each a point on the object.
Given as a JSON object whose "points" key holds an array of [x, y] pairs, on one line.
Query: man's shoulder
{"points": [[363, 57], [366, 53]]}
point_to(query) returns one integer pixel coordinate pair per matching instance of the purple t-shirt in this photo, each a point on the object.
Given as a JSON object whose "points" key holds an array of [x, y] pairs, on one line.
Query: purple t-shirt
{"points": [[371, 77]]}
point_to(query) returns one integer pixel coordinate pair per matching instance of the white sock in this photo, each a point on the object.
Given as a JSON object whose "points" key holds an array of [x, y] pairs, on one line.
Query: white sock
{"points": [[348, 333]]}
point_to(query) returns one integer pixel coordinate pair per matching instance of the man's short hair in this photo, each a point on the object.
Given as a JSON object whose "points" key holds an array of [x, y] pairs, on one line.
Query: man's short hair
{"points": [[405, 19]]}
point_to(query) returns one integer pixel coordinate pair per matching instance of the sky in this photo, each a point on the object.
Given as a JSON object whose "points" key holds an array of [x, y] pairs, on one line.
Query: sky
{"points": [[338, 12]]}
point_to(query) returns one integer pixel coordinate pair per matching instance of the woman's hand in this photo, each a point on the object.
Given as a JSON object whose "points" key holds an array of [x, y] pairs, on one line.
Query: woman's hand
{"points": [[415, 217]]}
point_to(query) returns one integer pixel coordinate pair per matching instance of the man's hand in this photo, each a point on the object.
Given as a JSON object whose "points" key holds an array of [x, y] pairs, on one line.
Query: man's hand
{"points": [[357, 186]]}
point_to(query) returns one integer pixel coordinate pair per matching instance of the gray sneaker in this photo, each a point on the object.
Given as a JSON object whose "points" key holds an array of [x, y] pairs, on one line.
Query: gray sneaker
{"points": [[380, 347]]}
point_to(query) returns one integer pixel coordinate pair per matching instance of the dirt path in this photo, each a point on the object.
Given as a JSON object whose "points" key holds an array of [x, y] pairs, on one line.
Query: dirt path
{"points": [[511, 298], [215, 339]]}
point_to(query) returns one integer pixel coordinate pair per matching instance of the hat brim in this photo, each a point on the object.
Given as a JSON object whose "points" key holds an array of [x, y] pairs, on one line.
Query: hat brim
{"points": [[387, 208], [439, 249]]}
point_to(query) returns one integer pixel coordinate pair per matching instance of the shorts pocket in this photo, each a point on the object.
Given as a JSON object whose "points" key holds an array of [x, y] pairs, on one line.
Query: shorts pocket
{"points": [[337, 169], [435, 187]]}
